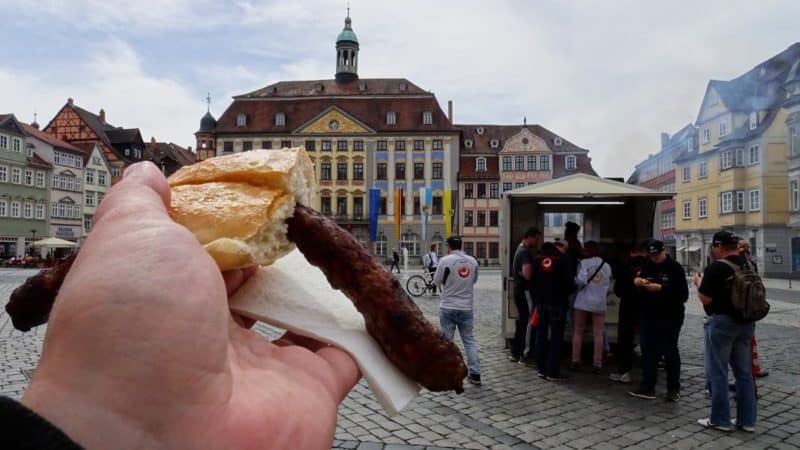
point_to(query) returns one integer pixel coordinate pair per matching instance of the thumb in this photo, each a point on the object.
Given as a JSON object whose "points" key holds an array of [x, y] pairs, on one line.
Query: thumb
{"points": [[143, 191]]}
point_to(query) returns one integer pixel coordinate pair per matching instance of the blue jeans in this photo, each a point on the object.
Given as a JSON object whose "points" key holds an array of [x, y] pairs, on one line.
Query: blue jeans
{"points": [[449, 319], [728, 342], [552, 318]]}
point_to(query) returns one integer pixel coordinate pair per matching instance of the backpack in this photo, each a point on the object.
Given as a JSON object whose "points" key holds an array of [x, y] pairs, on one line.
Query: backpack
{"points": [[426, 260], [748, 295]]}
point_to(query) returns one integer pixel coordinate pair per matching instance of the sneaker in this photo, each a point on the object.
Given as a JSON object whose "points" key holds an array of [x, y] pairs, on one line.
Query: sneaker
{"points": [[512, 357], [620, 377], [526, 362], [541, 375], [745, 428], [673, 395], [643, 393], [557, 378], [575, 365], [706, 423], [474, 379]]}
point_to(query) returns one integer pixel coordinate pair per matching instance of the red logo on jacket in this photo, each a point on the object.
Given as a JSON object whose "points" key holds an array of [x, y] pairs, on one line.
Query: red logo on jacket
{"points": [[546, 264]]}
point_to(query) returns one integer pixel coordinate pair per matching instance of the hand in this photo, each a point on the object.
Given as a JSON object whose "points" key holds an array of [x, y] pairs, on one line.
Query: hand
{"points": [[652, 287], [698, 279], [142, 350], [640, 282]]}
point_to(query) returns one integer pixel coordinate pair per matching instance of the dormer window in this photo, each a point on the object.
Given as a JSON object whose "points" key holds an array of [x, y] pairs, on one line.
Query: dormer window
{"points": [[427, 118], [558, 141], [494, 143], [468, 143], [690, 144], [127, 152], [319, 87], [479, 130], [272, 89], [362, 86], [391, 118], [241, 120], [570, 162], [753, 120], [403, 87], [480, 164], [280, 119]]}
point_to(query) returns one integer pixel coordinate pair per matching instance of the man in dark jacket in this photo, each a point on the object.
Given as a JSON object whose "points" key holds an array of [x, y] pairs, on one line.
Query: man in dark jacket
{"points": [[627, 270], [522, 270], [552, 283], [663, 292]]}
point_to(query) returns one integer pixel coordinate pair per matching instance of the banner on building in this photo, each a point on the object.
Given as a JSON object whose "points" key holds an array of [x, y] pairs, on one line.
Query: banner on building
{"points": [[398, 211], [374, 210], [448, 218]]}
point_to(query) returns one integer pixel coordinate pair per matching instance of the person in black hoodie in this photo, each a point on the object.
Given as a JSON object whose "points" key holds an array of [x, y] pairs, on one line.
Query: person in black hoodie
{"points": [[552, 283], [627, 270], [663, 292]]}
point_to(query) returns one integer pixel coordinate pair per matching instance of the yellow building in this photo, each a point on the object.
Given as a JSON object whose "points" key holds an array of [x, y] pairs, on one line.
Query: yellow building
{"points": [[737, 178]]}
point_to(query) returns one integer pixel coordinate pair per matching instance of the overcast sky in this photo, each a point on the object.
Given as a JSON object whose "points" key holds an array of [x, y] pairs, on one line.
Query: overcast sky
{"points": [[607, 75]]}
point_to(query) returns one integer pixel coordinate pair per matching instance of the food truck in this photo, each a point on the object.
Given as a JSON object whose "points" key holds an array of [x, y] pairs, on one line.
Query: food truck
{"points": [[614, 214]]}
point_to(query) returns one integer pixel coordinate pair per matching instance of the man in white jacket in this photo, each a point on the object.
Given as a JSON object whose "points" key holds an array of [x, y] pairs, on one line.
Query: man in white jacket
{"points": [[593, 280]]}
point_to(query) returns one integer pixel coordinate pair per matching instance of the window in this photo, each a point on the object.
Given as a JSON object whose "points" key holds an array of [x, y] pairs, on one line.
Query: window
{"points": [[266, 145], [241, 120], [725, 161], [411, 242], [280, 119], [325, 206], [127, 152], [481, 190], [227, 146], [493, 190], [726, 203], [706, 135], [437, 171], [702, 208], [754, 155], [15, 212], [519, 185], [101, 177], [287, 144], [417, 206], [311, 146], [570, 162], [427, 118], [29, 152], [99, 198], [739, 200], [436, 205], [115, 172], [668, 220], [380, 245], [326, 146], [381, 146], [325, 171], [419, 171], [531, 163], [382, 207], [702, 169], [358, 171], [17, 145], [467, 190], [481, 222], [794, 141], [544, 163], [519, 163], [494, 143], [739, 157], [89, 176], [28, 177], [506, 187], [341, 171], [493, 218], [27, 210], [400, 171], [419, 144], [467, 218], [468, 143], [358, 146], [506, 164], [70, 160], [89, 198], [3, 174], [16, 175], [480, 164], [341, 206], [381, 171], [40, 211], [341, 146], [468, 248], [755, 200], [437, 144], [687, 209], [247, 146], [3, 208], [391, 118], [3, 142], [753, 120], [723, 128], [794, 195], [400, 145], [494, 250], [87, 223], [40, 181], [358, 207]]}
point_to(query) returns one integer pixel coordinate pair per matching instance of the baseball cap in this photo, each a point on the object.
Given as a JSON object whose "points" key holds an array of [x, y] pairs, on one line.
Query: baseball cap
{"points": [[725, 238], [572, 226], [454, 241], [653, 246]]}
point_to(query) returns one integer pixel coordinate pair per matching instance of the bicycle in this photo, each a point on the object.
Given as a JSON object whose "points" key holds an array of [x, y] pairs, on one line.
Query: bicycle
{"points": [[418, 285]]}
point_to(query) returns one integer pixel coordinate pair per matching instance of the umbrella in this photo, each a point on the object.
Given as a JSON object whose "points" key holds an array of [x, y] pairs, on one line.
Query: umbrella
{"points": [[53, 243]]}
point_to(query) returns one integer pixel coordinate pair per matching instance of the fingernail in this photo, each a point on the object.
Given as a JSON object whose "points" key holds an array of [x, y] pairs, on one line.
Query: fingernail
{"points": [[134, 169]]}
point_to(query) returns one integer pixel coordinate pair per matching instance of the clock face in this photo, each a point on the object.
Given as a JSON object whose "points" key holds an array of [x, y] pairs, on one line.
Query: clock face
{"points": [[334, 125]]}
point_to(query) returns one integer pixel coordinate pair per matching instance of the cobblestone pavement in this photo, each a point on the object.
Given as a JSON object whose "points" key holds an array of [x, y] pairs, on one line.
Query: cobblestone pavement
{"points": [[515, 409]]}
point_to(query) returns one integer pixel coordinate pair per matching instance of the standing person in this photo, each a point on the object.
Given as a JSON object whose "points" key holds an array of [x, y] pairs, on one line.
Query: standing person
{"points": [[552, 284], [727, 339], [395, 261], [663, 292], [593, 280], [522, 272], [744, 252], [456, 276], [628, 312], [432, 259]]}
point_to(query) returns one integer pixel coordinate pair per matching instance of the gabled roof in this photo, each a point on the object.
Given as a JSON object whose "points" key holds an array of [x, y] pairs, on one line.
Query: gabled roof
{"points": [[158, 151], [123, 135], [8, 120], [363, 87], [49, 138], [481, 143], [86, 149], [39, 161], [585, 186]]}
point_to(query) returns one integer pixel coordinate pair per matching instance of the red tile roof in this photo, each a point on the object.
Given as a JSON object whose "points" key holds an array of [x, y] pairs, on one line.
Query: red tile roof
{"points": [[326, 88], [38, 161], [48, 138], [157, 151], [467, 167], [481, 143]]}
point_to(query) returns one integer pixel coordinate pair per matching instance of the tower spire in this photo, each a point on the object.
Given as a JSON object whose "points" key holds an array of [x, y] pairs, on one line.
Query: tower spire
{"points": [[347, 52], [208, 102]]}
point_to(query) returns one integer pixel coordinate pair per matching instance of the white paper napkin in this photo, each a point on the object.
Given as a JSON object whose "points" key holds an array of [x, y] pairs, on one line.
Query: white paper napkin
{"points": [[294, 295]]}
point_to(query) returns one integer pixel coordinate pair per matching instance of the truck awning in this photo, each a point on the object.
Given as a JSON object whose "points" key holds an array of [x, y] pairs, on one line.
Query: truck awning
{"points": [[586, 187]]}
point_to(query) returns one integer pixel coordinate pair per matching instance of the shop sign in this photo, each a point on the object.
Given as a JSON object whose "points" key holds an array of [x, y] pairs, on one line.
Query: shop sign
{"points": [[65, 232]]}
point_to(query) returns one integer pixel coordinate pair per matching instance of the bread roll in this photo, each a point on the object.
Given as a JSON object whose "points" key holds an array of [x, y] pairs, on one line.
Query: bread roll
{"points": [[237, 205]]}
